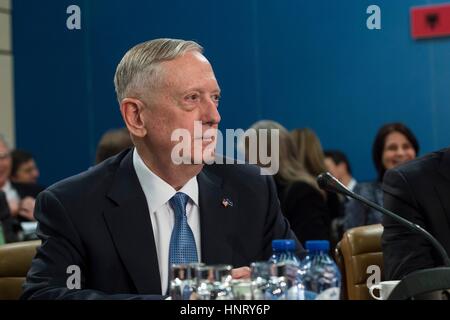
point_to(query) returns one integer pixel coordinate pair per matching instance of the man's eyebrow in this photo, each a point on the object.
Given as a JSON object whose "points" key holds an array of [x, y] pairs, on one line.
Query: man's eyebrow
{"points": [[217, 90], [200, 90]]}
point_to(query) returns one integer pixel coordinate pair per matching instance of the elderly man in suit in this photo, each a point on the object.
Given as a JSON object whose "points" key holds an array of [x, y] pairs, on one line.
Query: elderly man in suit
{"points": [[420, 192], [124, 222]]}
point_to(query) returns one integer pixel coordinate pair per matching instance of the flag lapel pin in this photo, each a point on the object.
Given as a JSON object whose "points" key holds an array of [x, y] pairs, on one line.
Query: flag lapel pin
{"points": [[227, 203]]}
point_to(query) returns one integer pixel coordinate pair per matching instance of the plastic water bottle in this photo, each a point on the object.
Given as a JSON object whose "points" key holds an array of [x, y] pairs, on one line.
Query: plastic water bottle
{"points": [[277, 286], [284, 253], [320, 276]]}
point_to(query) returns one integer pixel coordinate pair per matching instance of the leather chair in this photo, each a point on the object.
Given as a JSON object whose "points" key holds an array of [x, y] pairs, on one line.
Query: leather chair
{"points": [[15, 260], [359, 248]]}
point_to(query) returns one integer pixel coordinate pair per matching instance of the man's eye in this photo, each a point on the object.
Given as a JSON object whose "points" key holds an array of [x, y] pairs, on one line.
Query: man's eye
{"points": [[216, 97], [192, 97]]}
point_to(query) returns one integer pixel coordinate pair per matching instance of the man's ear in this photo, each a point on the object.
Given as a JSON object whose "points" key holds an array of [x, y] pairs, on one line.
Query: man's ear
{"points": [[131, 110]]}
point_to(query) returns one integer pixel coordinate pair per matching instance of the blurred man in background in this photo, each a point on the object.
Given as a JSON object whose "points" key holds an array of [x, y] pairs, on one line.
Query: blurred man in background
{"points": [[24, 168], [5, 171], [20, 196], [7, 223], [338, 165]]}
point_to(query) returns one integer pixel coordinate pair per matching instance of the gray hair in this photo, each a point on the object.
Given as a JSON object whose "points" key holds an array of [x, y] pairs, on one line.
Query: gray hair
{"points": [[139, 67]]}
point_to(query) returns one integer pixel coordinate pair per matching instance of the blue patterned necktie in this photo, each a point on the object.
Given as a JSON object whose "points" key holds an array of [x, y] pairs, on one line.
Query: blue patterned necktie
{"points": [[182, 242]]}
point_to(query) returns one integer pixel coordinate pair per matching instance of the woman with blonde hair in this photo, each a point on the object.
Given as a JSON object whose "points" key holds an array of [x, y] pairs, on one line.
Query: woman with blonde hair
{"points": [[310, 154], [302, 202], [309, 150]]}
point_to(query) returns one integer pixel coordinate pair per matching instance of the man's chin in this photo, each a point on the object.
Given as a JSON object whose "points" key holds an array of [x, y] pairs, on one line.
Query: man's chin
{"points": [[205, 155], [194, 161], [209, 159]]}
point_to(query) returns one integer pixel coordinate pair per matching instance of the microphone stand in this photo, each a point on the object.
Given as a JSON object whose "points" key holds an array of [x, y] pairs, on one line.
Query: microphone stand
{"points": [[419, 283]]}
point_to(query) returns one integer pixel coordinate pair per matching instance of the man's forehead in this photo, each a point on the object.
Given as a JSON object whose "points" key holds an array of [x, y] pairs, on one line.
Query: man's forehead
{"points": [[191, 60], [196, 73], [199, 56], [28, 164]]}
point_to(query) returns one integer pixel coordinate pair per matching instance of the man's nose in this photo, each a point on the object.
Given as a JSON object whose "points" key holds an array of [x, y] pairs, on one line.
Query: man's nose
{"points": [[211, 114]]}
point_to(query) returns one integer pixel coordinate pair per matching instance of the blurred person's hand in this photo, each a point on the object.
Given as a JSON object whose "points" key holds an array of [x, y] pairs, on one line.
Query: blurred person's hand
{"points": [[13, 208], [26, 208], [241, 273]]}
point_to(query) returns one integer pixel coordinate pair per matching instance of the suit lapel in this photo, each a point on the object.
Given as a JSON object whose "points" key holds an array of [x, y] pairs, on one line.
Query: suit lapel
{"points": [[442, 187], [131, 229], [216, 219], [444, 165]]}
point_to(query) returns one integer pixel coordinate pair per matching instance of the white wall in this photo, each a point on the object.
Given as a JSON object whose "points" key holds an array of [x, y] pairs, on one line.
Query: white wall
{"points": [[6, 74]]}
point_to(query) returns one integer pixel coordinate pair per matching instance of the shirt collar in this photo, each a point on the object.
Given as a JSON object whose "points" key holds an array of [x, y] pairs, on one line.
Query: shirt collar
{"points": [[7, 186], [156, 190], [351, 185]]}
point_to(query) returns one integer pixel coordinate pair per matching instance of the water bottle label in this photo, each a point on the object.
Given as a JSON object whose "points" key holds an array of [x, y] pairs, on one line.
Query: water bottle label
{"points": [[271, 296], [329, 294], [292, 293], [187, 292], [308, 295]]}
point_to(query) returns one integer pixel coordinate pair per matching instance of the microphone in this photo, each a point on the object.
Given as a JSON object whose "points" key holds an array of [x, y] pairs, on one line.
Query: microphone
{"points": [[328, 182]]}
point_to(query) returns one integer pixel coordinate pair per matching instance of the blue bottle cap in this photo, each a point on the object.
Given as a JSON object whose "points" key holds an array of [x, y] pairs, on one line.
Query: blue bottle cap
{"points": [[283, 244], [317, 245]]}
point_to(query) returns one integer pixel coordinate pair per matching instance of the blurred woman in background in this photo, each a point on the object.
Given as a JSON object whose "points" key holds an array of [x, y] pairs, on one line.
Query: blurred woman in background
{"points": [[311, 156], [111, 143], [309, 150], [394, 144], [302, 202]]}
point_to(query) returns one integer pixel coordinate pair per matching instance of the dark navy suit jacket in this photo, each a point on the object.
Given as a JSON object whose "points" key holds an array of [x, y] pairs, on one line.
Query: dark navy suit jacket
{"points": [[420, 192], [99, 221]]}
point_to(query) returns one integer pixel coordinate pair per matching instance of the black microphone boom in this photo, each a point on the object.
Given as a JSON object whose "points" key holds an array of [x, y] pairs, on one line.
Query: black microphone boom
{"points": [[328, 182]]}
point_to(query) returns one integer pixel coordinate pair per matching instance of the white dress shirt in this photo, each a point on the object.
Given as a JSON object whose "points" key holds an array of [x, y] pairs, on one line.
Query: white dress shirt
{"points": [[10, 193], [352, 184], [158, 193]]}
